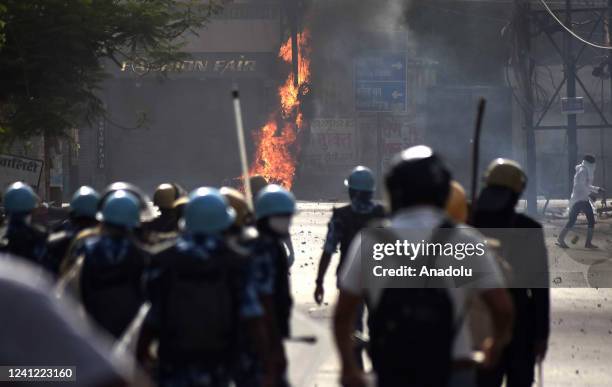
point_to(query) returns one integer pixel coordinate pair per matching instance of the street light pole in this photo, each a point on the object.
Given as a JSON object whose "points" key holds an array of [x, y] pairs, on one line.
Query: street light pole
{"points": [[570, 72]]}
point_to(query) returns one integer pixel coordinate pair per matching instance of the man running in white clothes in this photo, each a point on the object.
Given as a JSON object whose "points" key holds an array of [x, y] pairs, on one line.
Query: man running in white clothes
{"points": [[581, 202]]}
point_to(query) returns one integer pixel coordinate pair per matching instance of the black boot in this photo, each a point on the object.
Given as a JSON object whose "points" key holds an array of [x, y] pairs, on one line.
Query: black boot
{"points": [[589, 238], [561, 238]]}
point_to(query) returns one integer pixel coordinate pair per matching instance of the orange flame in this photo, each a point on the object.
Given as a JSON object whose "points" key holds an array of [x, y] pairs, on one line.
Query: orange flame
{"points": [[277, 152]]}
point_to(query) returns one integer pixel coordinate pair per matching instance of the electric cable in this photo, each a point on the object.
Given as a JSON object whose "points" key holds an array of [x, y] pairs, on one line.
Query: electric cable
{"points": [[569, 30]]}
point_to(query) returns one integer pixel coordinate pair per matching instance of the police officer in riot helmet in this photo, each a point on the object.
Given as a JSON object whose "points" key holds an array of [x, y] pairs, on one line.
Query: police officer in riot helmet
{"points": [[23, 238], [346, 221], [236, 200], [113, 265], [201, 294], [242, 232], [83, 210], [274, 209], [505, 182], [147, 212], [258, 183], [146, 208], [412, 330], [496, 216], [164, 197]]}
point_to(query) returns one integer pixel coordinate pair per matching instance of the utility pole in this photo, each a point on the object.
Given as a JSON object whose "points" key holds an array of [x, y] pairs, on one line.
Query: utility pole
{"points": [[602, 133], [526, 68], [528, 65], [570, 73], [610, 51]]}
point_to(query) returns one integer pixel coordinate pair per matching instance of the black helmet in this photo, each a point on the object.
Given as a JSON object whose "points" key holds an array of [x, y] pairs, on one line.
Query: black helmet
{"points": [[147, 211], [417, 176], [589, 158]]}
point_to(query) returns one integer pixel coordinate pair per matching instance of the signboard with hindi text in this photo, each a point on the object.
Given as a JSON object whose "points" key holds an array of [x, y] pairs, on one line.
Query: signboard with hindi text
{"points": [[18, 168], [398, 132], [331, 142]]}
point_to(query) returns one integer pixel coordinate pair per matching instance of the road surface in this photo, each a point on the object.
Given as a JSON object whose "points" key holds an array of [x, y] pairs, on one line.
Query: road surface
{"points": [[580, 348]]}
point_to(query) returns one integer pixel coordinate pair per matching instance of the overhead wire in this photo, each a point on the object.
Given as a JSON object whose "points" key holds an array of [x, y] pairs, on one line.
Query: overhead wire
{"points": [[569, 30]]}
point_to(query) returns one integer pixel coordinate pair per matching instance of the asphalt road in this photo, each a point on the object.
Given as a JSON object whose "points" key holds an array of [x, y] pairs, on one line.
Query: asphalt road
{"points": [[580, 347]]}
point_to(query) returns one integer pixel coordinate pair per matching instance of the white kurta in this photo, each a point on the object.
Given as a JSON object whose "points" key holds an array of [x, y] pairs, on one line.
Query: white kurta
{"points": [[583, 184]]}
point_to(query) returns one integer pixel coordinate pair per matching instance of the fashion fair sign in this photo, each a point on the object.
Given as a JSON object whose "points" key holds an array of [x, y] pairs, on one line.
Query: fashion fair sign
{"points": [[17, 168]]}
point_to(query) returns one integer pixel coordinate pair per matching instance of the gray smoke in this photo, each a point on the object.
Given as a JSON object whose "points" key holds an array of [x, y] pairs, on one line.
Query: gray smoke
{"points": [[439, 38]]}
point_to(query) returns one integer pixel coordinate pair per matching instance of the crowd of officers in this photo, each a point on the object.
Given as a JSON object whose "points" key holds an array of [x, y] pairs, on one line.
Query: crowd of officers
{"points": [[216, 275]]}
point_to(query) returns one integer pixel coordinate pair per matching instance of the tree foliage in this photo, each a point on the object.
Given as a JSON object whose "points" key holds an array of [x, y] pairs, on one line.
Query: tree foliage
{"points": [[2, 11], [53, 54]]}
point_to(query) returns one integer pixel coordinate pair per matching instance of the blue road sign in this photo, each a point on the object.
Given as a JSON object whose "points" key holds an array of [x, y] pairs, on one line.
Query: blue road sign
{"points": [[380, 96], [380, 83]]}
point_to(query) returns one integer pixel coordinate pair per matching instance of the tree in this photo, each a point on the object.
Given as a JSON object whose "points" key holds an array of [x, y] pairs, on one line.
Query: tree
{"points": [[53, 52], [2, 11]]}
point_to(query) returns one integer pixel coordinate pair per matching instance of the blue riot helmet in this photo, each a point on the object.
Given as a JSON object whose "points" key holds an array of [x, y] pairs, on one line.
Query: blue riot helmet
{"points": [[207, 212], [84, 202], [361, 179], [19, 198], [274, 200], [147, 210], [121, 208]]}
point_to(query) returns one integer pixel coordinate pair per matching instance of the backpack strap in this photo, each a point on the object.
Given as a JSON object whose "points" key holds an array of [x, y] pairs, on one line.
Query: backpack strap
{"points": [[439, 235]]}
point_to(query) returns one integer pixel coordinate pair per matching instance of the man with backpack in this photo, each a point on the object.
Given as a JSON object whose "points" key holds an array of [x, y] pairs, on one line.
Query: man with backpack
{"points": [[201, 295], [345, 223], [113, 266], [412, 330], [274, 209], [523, 247]]}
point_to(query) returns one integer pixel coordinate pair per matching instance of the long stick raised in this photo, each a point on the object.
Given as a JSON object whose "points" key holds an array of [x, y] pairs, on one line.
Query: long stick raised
{"points": [[242, 146], [476, 149]]}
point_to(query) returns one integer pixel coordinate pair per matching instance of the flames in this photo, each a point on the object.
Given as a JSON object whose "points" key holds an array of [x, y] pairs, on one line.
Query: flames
{"points": [[277, 148]]}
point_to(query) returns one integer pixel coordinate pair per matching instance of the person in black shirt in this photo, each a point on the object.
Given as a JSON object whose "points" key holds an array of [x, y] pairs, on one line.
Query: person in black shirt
{"points": [[496, 217], [345, 223]]}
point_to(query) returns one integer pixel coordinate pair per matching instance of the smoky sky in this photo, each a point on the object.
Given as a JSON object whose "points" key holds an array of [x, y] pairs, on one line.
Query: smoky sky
{"points": [[343, 29], [462, 41]]}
